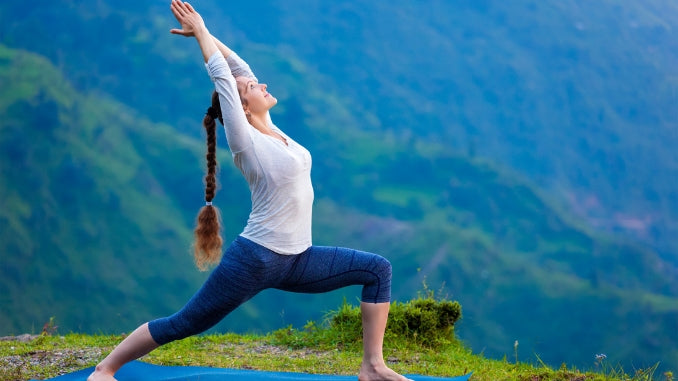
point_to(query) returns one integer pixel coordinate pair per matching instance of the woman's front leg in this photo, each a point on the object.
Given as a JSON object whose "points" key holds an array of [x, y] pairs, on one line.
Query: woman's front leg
{"points": [[373, 368]]}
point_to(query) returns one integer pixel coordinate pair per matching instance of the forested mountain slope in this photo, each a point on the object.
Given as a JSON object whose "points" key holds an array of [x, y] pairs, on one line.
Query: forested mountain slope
{"points": [[450, 151], [578, 96]]}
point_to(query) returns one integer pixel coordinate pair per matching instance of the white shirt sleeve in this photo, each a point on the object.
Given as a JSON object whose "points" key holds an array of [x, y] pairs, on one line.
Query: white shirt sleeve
{"points": [[239, 68], [236, 125]]}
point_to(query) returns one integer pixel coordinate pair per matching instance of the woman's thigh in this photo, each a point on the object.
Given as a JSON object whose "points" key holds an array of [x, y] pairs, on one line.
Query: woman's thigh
{"points": [[235, 280], [322, 269]]}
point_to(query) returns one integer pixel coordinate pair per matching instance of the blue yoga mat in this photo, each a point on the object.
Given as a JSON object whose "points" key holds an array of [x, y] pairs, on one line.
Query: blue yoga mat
{"points": [[140, 371]]}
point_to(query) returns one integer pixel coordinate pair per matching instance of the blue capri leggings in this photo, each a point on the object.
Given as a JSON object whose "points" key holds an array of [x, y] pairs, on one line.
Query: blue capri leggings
{"points": [[248, 268]]}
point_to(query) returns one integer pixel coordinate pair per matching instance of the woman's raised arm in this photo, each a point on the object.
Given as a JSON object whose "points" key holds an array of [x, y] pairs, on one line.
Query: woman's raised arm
{"points": [[192, 25], [223, 65]]}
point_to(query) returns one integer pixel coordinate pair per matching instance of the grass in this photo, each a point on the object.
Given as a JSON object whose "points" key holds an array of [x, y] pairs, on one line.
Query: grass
{"points": [[419, 340]]}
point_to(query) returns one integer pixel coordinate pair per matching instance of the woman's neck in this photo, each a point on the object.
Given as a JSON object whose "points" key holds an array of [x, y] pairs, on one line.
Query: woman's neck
{"points": [[260, 123]]}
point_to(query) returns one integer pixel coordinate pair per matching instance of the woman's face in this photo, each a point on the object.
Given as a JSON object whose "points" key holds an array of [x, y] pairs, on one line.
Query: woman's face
{"points": [[254, 96]]}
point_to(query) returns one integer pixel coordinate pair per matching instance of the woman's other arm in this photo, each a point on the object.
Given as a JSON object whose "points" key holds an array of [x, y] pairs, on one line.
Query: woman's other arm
{"points": [[239, 68], [225, 50], [236, 125]]}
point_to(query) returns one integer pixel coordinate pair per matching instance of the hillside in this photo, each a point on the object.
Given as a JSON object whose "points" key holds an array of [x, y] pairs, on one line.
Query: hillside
{"points": [[332, 347], [102, 127], [84, 213], [114, 204], [578, 97]]}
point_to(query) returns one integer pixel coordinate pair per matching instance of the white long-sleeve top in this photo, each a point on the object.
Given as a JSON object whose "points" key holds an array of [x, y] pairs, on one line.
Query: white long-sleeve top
{"points": [[278, 174]]}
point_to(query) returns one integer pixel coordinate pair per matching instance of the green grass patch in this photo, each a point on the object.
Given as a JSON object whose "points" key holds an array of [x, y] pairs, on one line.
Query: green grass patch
{"points": [[419, 340]]}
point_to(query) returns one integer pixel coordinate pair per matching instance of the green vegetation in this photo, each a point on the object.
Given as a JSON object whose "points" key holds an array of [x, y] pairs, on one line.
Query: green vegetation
{"points": [[118, 193], [482, 146], [422, 322], [420, 340]]}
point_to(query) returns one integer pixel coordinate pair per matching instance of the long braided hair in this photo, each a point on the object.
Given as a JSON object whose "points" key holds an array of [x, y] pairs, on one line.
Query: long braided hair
{"points": [[207, 233]]}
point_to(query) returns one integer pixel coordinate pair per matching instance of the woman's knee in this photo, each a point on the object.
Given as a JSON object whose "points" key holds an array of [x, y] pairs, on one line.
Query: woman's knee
{"points": [[379, 289], [383, 268], [177, 327]]}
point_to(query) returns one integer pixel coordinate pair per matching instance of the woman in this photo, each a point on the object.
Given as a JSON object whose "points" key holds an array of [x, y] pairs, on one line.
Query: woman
{"points": [[274, 250]]}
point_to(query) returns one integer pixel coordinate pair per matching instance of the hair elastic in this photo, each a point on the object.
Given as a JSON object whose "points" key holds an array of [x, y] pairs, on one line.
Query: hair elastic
{"points": [[208, 203], [213, 113]]}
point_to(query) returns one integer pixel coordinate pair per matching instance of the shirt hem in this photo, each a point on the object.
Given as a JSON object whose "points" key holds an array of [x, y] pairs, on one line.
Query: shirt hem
{"points": [[276, 249]]}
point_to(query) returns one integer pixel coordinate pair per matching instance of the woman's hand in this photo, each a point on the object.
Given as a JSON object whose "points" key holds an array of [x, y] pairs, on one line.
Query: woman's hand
{"points": [[190, 20], [192, 25]]}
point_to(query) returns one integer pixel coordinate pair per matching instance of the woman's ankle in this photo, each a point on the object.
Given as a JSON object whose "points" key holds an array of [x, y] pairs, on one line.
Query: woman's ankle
{"points": [[373, 361], [101, 373], [101, 368]]}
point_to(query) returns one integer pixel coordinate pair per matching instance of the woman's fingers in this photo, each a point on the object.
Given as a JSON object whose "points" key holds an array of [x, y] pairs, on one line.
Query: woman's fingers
{"points": [[187, 17], [175, 11], [179, 16], [178, 9], [184, 8]]}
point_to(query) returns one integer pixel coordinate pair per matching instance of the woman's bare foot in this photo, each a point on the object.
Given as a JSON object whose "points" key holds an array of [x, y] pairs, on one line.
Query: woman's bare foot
{"points": [[379, 372], [100, 375]]}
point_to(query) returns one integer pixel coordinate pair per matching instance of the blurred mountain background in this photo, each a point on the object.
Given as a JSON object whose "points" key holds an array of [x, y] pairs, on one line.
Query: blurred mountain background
{"points": [[518, 157]]}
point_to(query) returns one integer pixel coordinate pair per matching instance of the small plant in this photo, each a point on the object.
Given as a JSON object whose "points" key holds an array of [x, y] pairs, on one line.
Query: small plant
{"points": [[49, 328], [611, 372], [599, 358], [645, 374]]}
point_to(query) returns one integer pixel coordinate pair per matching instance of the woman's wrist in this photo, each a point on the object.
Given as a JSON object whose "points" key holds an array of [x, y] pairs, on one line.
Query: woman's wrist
{"points": [[207, 45], [202, 33]]}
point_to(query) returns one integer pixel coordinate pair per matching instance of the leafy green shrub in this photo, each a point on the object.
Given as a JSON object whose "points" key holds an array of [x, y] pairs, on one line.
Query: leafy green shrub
{"points": [[423, 321]]}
